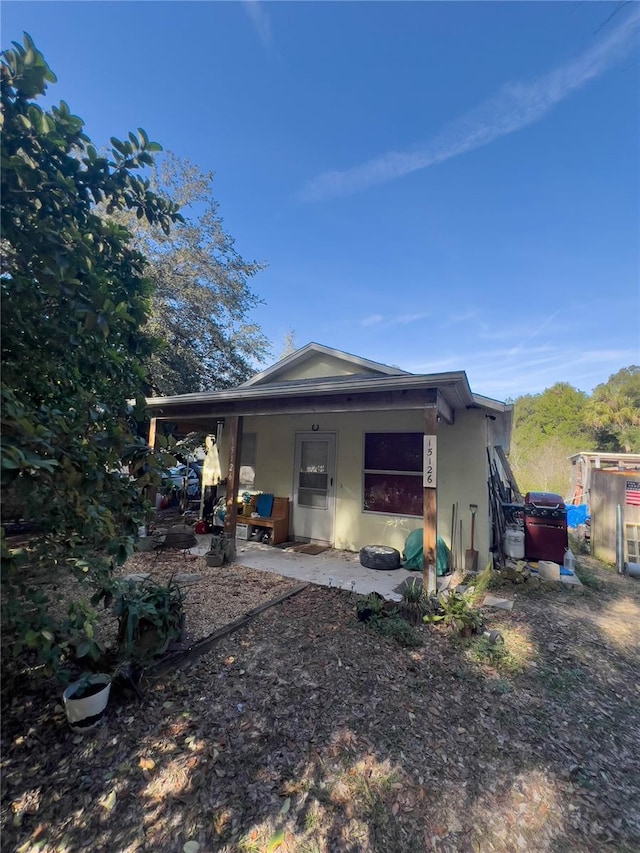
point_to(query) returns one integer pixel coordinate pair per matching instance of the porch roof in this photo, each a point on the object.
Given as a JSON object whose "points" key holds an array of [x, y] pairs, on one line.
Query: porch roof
{"points": [[363, 392]]}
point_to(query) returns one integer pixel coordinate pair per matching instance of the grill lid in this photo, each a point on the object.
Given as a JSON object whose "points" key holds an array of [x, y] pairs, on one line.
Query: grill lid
{"points": [[547, 499]]}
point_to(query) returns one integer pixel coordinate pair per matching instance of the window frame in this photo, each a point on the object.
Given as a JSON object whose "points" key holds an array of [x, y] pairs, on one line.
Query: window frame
{"points": [[419, 473]]}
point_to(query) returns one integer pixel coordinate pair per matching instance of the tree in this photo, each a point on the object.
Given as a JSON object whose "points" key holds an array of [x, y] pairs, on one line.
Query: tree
{"points": [[548, 428], [74, 299], [201, 299], [614, 411], [288, 344]]}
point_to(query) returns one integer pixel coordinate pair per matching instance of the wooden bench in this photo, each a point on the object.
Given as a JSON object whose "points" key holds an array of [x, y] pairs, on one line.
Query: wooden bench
{"points": [[277, 522]]}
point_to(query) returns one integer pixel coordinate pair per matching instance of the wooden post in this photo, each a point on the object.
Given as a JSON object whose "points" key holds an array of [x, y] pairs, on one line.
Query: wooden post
{"points": [[233, 476], [430, 500], [152, 434]]}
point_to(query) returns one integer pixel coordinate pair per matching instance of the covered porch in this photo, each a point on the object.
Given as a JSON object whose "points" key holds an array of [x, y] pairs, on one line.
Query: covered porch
{"points": [[324, 484]]}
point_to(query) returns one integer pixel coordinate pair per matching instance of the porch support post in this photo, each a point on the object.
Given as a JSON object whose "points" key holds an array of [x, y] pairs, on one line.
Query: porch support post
{"points": [[233, 479], [430, 495], [152, 434]]}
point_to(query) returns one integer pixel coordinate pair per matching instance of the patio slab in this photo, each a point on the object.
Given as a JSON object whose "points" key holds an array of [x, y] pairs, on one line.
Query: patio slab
{"points": [[339, 569]]}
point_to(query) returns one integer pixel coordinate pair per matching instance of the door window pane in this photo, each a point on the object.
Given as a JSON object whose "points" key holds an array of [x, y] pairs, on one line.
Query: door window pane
{"points": [[313, 498], [313, 475]]}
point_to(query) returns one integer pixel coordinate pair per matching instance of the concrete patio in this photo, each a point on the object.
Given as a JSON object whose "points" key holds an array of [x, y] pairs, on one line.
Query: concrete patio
{"points": [[330, 568]]}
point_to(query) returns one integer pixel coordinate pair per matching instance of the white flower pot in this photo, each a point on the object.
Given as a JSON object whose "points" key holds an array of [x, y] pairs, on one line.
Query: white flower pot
{"points": [[87, 712]]}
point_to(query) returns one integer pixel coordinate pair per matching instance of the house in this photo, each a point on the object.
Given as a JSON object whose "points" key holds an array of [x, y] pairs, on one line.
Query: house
{"points": [[365, 452]]}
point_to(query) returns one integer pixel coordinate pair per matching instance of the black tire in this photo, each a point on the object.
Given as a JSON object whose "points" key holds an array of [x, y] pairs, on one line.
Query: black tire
{"points": [[379, 557]]}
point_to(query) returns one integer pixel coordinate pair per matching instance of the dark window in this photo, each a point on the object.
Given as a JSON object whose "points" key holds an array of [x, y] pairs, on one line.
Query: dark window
{"points": [[393, 473]]}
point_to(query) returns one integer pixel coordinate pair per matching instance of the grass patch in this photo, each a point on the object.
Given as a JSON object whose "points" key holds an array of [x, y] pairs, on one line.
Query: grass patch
{"points": [[587, 577], [562, 682], [397, 629], [509, 657]]}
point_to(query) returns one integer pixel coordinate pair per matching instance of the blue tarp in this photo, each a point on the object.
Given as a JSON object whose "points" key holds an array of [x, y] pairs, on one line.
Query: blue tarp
{"points": [[576, 515]]}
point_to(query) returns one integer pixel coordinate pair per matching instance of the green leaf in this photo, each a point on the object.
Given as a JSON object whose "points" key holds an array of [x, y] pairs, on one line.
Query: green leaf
{"points": [[276, 840], [286, 806]]}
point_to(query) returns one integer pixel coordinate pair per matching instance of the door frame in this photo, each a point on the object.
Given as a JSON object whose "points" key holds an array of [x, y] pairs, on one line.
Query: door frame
{"points": [[303, 435]]}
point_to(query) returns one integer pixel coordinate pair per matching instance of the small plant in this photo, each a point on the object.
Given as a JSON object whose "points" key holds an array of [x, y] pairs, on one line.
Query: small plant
{"points": [[394, 626], [369, 606], [457, 609], [412, 592], [383, 617], [150, 616]]}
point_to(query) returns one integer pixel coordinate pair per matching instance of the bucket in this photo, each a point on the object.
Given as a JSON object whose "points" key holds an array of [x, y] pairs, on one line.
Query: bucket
{"points": [[549, 570], [86, 713], [513, 543]]}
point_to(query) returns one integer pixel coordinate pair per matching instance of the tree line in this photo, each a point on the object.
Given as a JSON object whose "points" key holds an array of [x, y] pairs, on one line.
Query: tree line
{"points": [[561, 420]]}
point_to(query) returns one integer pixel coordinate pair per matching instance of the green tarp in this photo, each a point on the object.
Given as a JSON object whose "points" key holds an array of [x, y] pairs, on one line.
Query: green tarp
{"points": [[412, 557]]}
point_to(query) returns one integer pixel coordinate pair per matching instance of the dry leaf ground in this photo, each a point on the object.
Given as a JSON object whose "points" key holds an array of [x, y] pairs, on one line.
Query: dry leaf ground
{"points": [[306, 731]]}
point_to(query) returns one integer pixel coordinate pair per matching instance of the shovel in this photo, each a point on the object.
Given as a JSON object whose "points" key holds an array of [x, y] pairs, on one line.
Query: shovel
{"points": [[470, 555]]}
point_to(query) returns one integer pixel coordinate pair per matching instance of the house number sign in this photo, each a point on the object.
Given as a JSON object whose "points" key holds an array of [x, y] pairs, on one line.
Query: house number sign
{"points": [[430, 457]]}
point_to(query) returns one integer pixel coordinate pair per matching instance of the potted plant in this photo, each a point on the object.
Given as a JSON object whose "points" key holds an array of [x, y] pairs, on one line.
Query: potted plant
{"points": [[85, 701], [150, 616]]}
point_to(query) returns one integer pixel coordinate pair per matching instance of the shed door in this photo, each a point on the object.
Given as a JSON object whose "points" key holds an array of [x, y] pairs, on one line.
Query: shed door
{"points": [[314, 487]]}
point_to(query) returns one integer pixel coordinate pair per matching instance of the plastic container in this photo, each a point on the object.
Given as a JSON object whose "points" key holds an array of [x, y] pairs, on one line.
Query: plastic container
{"points": [[569, 562], [549, 570], [513, 543], [242, 531]]}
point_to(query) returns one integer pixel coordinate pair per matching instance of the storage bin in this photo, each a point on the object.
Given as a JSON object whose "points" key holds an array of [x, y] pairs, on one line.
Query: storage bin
{"points": [[242, 531]]}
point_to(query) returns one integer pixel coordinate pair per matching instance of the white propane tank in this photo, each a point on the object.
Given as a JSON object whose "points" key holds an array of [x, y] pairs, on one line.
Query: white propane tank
{"points": [[513, 543]]}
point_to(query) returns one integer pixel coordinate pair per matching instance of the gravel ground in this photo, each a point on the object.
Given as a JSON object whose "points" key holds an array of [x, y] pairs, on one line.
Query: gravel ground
{"points": [[307, 731]]}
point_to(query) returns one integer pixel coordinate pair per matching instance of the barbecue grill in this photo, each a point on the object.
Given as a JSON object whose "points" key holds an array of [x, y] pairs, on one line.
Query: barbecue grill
{"points": [[545, 527]]}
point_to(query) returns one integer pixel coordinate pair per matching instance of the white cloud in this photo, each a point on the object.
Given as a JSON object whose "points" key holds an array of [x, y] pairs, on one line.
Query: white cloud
{"points": [[398, 320], [372, 320], [516, 106], [261, 22]]}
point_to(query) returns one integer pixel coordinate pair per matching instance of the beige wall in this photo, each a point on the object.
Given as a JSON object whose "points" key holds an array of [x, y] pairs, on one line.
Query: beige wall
{"points": [[321, 366], [462, 472]]}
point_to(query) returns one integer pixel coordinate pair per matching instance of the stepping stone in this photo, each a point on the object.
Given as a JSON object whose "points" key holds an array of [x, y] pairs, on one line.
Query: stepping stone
{"points": [[187, 579], [500, 603]]}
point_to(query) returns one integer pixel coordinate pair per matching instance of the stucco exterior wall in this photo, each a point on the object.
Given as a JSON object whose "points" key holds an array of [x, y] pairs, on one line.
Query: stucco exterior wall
{"points": [[462, 472], [321, 366]]}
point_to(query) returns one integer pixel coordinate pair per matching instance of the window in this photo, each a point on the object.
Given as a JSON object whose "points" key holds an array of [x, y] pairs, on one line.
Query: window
{"points": [[632, 540], [393, 473], [248, 460]]}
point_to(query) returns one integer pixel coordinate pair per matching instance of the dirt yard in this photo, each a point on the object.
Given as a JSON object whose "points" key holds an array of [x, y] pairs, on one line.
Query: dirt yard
{"points": [[306, 731]]}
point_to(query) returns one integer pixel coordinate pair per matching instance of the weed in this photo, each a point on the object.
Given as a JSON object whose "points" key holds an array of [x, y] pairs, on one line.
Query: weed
{"points": [[383, 617], [412, 592], [397, 628], [578, 545], [587, 577]]}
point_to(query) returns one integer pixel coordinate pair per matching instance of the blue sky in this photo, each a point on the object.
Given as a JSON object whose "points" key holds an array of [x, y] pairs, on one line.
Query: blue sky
{"points": [[438, 186]]}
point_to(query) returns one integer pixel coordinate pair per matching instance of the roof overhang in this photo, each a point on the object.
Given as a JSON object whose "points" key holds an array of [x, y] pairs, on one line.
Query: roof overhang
{"points": [[449, 391]]}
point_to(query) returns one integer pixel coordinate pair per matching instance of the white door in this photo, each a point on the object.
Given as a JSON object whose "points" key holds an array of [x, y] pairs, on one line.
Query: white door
{"points": [[314, 486]]}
